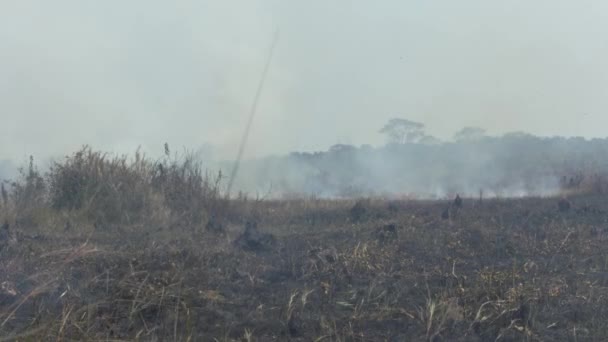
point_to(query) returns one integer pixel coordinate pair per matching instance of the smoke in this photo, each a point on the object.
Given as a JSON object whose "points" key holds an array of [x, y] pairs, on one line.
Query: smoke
{"points": [[513, 165], [116, 76], [121, 75]]}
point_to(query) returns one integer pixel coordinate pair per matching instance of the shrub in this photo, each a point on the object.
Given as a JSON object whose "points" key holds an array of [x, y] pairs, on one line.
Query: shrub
{"points": [[28, 194], [187, 191], [110, 189], [119, 190]]}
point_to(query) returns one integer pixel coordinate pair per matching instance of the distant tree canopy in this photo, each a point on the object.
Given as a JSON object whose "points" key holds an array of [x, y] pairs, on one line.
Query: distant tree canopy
{"points": [[401, 131], [512, 164], [470, 134]]}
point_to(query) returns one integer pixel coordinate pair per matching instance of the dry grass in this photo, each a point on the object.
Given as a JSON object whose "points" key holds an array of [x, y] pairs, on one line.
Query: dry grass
{"points": [[386, 271]]}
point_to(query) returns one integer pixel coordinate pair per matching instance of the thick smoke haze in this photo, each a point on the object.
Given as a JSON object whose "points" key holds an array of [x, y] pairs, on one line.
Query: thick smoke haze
{"points": [[118, 75], [514, 165]]}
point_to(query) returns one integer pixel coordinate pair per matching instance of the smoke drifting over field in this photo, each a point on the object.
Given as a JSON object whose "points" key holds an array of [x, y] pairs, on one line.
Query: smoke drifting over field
{"points": [[513, 165], [510, 166], [118, 75]]}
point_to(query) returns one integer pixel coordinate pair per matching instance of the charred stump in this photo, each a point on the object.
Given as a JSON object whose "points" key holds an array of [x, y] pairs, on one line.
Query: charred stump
{"points": [[457, 202], [386, 233], [563, 205], [358, 211], [254, 240]]}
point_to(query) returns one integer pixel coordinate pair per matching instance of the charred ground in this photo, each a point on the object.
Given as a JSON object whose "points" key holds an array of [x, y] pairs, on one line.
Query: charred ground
{"points": [[300, 270]]}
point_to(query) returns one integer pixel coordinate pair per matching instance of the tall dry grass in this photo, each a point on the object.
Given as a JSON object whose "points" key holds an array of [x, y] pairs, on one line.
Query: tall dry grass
{"points": [[118, 189]]}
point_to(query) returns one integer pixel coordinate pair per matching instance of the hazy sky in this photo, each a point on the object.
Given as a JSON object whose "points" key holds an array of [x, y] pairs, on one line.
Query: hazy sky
{"points": [[118, 74]]}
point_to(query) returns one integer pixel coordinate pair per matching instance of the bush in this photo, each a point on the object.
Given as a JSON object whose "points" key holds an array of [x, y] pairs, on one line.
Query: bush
{"points": [[107, 189], [118, 190], [187, 191], [27, 195]]}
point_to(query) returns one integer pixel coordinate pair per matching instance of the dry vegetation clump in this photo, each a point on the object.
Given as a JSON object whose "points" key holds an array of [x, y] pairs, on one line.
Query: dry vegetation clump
{"points": [[80, 262], [118, 190]]}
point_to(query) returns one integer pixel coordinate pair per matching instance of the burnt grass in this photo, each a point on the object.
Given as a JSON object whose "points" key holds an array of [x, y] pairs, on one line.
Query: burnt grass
{"points": [[315, 270]]}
